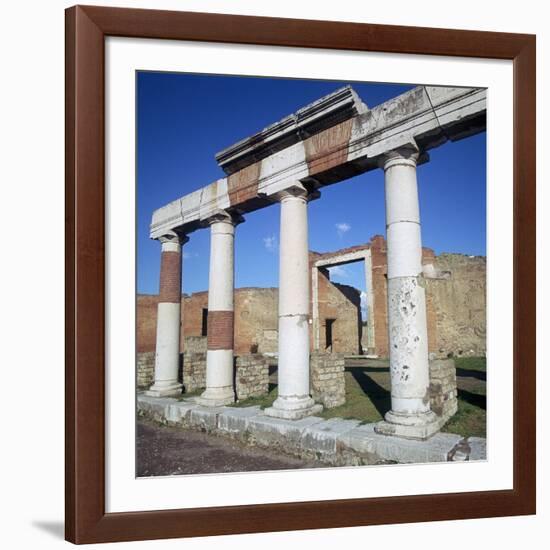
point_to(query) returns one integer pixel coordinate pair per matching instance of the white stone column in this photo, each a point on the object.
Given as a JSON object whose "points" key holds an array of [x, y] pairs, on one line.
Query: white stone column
{"points": [[168, 319], [294, 400], [219, 357], [410, 414]]}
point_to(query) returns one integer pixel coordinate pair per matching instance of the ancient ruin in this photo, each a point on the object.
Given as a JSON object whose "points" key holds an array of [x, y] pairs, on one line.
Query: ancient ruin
{"points": [[288, 163]]}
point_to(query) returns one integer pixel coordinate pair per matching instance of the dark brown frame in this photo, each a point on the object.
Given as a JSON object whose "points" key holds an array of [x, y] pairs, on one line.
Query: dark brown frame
{"points": [[86, 29]]}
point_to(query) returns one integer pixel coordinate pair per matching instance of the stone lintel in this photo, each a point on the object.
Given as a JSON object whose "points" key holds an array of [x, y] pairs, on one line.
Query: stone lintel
{"points": [[331, 260]]}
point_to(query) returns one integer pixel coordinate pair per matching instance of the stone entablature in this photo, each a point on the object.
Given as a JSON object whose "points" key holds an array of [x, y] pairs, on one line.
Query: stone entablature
{"points": [[427, 115], [328, 111]]}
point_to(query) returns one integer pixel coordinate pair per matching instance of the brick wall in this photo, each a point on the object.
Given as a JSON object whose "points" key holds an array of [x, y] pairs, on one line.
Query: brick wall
{"points": [[340, 303]]}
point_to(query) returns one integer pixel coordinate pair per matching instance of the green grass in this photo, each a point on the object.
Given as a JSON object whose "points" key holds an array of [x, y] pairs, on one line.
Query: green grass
{"points": [[368, 397], [359, 405], [471, 363], [471, 417], [262, 401], [187, 395], [469, 421]]}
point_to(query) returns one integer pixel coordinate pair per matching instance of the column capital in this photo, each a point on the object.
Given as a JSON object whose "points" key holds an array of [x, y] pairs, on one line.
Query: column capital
{"points": [[297, 191], [171, 237], [407, 155], [222, 216]]}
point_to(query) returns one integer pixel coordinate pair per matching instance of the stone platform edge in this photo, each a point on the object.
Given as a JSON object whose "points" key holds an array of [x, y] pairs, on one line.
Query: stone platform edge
{"points": [[335, 441]]}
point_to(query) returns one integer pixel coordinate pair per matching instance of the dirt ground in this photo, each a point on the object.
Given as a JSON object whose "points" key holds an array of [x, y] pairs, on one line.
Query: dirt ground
{"points": [[163, 451]]}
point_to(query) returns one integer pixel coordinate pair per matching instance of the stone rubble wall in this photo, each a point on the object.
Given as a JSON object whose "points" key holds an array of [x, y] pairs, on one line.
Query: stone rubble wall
{"points": [[195, 344], [252, 376], [443, 389], [194, 371], [328, 385], [145, 369]]}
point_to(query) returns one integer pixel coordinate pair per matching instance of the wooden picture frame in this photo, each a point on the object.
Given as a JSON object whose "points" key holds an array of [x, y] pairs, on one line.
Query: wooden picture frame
{"points": [[86, 30]]}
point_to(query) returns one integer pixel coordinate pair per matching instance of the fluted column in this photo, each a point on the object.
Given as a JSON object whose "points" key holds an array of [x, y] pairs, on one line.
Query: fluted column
{"points": [[410, 414], [219, 358], [294, 400], [168, 318]]}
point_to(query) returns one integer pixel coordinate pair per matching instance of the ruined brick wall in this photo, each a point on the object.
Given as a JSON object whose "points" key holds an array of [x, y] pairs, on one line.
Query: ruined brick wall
{"points": [[256, 319], [328, 385], [252, 376], [460, 305], [146, 322], [379, 295], [455, 311], [341, 303]]}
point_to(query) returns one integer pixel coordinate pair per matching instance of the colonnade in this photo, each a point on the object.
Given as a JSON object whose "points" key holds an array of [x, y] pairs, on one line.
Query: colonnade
{"points": [[410, 414]]}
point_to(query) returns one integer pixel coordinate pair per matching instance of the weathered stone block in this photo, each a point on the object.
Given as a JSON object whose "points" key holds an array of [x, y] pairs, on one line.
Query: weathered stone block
{"points": [[155, 408], [365, 440], [322, 437], [205, 418], [267, 431], [179, 413], [478, 448], [235, 420]]}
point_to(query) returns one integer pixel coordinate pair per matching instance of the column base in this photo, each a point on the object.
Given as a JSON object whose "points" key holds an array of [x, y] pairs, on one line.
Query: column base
{"points": [[293, 408], [169, 390], [409, 426], [216, 397]]}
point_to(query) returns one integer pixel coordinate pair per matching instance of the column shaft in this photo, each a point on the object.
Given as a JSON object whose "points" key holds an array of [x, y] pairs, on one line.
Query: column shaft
{"points": [[410, 415], [294, 400], [219, 359], [168, 320]]}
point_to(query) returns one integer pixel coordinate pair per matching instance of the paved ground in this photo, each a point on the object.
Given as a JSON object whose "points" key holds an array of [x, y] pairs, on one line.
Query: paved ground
{"points": [[163, 450]]}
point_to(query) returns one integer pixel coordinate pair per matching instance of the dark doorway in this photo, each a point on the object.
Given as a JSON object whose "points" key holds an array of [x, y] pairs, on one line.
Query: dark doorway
{"points": [[204, 330], [328, 332]]}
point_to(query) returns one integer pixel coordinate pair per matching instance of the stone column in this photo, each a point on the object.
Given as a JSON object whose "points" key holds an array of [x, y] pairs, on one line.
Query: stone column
{"points": [[219, 357], [410, 414], [294, 400], [168, 319]]}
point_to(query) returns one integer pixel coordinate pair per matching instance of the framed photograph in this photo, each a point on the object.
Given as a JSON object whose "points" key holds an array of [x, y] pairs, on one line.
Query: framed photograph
{"points": [[300, 265]]}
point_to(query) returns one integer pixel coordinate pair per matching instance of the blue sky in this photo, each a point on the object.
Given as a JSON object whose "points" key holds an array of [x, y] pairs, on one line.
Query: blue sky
{"points": [[185, 119]]}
